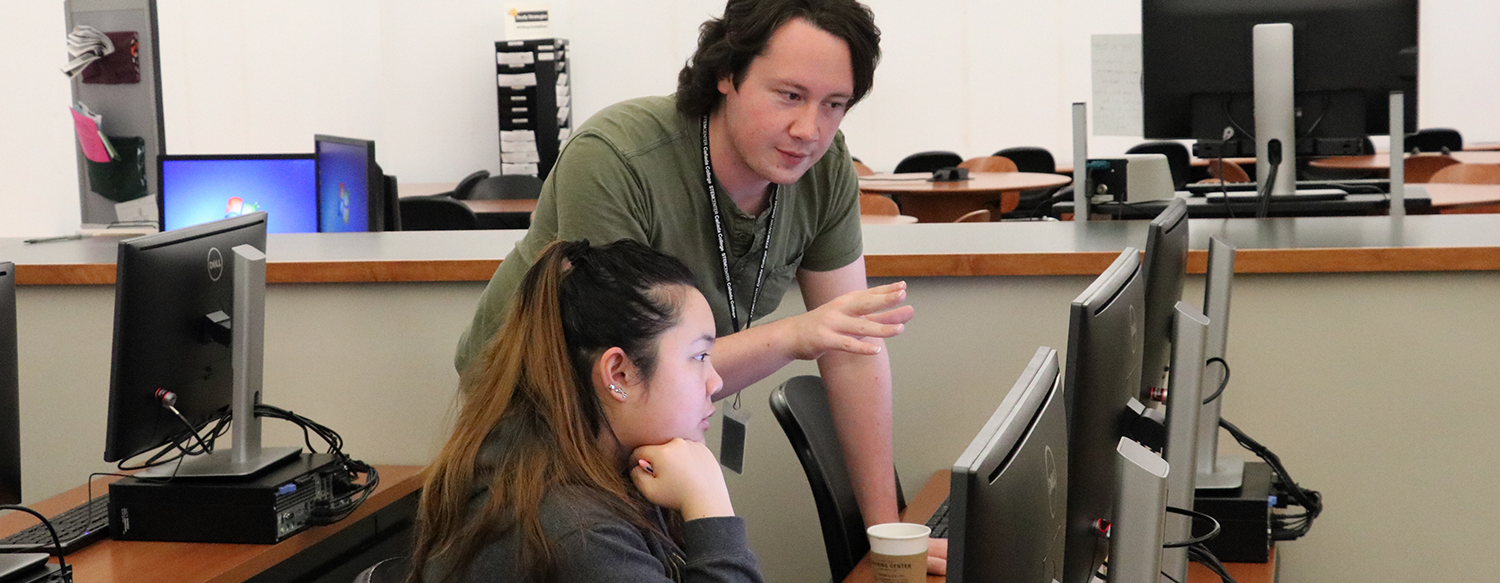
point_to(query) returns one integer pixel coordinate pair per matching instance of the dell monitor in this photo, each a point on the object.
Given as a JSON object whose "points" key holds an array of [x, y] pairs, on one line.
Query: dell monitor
{"points": [[1348, 55], [188, 321], [350, 186], [200, 189], [1165, 264], [10, 398], [1009, 491], [1103, 374]]}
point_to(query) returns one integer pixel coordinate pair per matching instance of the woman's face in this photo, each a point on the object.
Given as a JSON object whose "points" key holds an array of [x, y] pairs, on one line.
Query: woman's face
{"points": [[677, 401]]}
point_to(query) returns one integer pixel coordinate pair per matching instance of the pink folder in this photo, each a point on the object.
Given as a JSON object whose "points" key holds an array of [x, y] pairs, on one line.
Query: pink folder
{"points": [[89, 137]]}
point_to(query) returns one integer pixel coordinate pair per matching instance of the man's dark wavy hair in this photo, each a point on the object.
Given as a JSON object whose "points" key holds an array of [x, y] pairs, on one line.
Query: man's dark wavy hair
{"points": [[727, 45]]}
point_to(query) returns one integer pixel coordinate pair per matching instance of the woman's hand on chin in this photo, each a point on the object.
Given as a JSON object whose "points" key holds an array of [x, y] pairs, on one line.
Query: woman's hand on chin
{"points": [[684, 476]]}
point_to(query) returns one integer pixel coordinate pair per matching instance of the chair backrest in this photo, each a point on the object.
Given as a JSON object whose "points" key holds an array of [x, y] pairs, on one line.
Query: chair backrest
{"points": [[877, 204], [1421, 168], [1230, 171], [1177, 158], [861, 170], [1468, 174], [929, 161], [976, 216], [801, 405], [1030, 159], [392, 570], [1433, 140], [436, 213], [989, 164], [507, 187], [466, 186]]}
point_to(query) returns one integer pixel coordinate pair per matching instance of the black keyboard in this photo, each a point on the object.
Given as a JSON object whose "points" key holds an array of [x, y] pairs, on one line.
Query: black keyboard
{"points": [[939, 521], [77, 527], [1278, 198]]}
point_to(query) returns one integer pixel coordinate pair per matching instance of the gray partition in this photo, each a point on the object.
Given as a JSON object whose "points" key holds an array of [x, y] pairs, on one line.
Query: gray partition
{"points": [[129, 109]]}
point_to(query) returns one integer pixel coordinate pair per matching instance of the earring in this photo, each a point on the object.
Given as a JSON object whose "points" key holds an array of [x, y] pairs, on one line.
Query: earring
{"points": [[617, 390]]}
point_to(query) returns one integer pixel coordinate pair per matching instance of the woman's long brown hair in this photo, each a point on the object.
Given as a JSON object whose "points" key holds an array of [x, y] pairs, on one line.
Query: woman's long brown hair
{"points": [[528, 419]]}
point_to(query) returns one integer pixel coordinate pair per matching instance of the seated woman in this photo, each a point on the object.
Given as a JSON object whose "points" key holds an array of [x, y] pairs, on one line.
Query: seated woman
{"points": [[613, 378]]}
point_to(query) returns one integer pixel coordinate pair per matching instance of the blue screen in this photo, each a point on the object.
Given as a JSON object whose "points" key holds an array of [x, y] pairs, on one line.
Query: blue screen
{"points": [[343, 188], [196, 191]]}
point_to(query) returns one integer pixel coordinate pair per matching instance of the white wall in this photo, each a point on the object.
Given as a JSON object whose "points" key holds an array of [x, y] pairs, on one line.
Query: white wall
{"points": [[971, 76]]}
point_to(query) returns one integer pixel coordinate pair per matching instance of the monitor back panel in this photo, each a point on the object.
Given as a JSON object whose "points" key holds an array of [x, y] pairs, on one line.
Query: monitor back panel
{"points": [[1008, 501], [10, 401]]}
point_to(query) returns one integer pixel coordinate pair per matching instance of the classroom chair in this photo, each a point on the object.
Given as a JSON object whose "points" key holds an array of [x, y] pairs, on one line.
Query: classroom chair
{"points": [[801, 405]]}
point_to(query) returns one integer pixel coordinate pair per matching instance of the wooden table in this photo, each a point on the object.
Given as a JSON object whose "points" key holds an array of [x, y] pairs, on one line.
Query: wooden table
{"points": [[1381, 162], [112, 561], [921, 507], [942, 202], [886, 219], [1464, 198]]}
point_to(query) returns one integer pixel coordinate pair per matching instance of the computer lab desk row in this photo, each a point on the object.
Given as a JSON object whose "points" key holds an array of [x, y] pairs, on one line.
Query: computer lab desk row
{"points": [[935, 490], [333, 553], [1362, 353]]}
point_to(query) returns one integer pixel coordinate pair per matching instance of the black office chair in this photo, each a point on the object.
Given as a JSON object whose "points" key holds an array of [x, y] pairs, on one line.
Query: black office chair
{"points": [[392, 570], [507, 187], [466, 186], [1031, 159], [1434, 140], [929, 161], [1177, 155], [436, 213], [801, 405]]}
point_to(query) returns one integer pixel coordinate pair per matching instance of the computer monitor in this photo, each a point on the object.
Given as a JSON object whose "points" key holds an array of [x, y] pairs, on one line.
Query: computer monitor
{"points": [[1165, 264], [201, 189], [350, 185], [1009, 492], [188, 320], [10, 391], [1348, 56], [1103, 373]]}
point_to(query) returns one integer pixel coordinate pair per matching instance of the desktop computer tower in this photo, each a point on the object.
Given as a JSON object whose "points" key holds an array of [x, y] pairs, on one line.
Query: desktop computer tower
{"points": [[1244, 516], [260, 509]]}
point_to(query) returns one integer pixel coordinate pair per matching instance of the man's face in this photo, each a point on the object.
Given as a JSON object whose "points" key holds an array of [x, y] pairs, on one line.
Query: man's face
{"points": [[783, 116]]}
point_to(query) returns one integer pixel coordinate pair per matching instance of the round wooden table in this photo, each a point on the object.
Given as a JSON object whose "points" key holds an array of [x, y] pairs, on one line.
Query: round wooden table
{"points": [[886, 219], [942, 202], [1464, 198], [1382, 162]]}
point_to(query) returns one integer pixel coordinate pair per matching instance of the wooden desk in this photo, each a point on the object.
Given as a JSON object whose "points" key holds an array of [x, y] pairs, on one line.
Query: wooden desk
{"points": [[1381, 162], [1464, 198], [388, 509], [942, 202], [935, 491], [513, 206]]}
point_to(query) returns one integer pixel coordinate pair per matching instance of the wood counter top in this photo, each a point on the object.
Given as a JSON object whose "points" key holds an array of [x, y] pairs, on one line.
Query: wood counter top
{"points": [[1286, 245]]}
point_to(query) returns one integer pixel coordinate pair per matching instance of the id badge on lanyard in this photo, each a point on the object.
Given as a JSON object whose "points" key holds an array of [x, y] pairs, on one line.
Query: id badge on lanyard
{"points": [[732, 439]]}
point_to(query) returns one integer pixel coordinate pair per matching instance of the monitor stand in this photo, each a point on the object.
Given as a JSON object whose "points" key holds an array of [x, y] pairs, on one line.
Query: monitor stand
{"points": [[1275, 105], [245, 456], [1214, 472]]}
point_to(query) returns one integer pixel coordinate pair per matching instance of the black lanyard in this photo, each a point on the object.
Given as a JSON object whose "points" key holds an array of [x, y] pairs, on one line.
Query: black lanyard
{"points": [[713, 204]]}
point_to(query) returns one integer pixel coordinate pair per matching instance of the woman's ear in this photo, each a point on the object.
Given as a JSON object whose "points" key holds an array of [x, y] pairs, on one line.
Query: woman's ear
{"points": [[615, 376]]}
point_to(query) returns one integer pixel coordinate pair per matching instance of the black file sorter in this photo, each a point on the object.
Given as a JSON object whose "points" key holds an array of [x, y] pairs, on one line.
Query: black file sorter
{"points": [[534, 104]]}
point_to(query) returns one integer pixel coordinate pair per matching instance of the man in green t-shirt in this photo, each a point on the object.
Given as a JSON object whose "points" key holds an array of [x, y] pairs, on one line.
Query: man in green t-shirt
{"points": [[744, 176]]}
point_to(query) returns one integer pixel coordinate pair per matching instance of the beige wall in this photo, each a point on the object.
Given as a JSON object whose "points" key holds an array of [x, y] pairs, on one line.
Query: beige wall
{"points": [[1375, 389]]}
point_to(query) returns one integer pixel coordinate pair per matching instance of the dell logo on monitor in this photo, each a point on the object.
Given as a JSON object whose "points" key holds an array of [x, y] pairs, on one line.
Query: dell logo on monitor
{"points": [[215, 264]]}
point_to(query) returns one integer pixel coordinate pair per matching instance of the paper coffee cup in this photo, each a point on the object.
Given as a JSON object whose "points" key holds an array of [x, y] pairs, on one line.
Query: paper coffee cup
{"points": [[898, 551]]}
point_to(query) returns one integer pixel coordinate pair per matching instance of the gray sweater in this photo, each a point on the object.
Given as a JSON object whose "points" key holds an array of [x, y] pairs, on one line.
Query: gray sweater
{"points": [[594, 545]]}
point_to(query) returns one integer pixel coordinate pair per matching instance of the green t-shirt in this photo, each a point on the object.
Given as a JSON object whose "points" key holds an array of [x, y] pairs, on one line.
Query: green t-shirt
{"points": [[635, 171]]}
